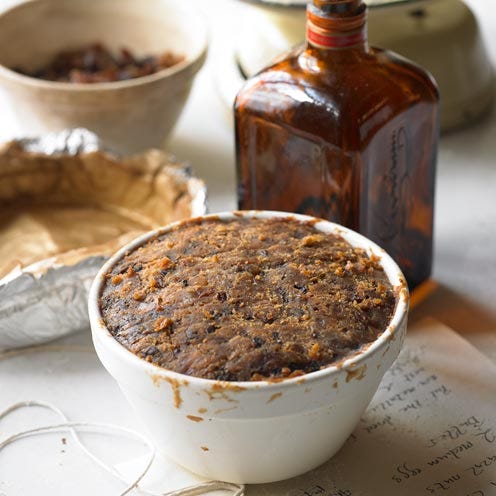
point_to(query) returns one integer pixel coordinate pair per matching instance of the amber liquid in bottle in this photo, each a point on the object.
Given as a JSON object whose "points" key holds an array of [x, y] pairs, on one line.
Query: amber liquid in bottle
{"points": [[346, 132]]}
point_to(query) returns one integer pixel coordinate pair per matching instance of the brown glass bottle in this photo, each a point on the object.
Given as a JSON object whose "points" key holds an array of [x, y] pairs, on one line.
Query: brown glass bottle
{"points": [[345, 132]]}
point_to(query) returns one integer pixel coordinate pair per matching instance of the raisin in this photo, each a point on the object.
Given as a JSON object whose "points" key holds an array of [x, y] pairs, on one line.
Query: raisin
{"points": [[211, 328]]}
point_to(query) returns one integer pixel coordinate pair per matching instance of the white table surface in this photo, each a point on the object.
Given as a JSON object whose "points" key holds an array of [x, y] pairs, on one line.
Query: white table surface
{"points": [[465, 267]]}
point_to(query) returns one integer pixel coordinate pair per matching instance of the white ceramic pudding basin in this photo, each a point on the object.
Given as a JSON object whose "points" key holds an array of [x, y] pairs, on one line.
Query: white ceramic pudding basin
{"points": [[253, 432]]}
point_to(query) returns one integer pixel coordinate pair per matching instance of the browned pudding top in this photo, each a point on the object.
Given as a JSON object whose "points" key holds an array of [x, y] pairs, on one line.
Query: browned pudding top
{"points": [[246, 299]]}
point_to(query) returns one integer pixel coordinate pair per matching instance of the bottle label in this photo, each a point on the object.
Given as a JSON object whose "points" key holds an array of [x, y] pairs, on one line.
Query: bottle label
{"points": [[397, 192], [387, 204], [322, 38]]}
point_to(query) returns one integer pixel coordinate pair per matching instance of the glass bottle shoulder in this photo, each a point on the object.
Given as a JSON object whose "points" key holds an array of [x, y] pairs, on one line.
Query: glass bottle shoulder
{"points": [[351, 81]]}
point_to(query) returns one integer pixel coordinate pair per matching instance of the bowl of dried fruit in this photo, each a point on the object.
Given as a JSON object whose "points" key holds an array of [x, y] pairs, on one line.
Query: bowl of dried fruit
{"points": [[121, 68]]}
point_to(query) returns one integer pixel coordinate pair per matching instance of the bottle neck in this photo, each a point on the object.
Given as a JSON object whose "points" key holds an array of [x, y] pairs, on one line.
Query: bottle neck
{"points": [[337, 25]]}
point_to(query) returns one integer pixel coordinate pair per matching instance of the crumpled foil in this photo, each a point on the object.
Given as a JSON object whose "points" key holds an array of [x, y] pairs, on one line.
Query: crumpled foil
{"points": [[48, 299]]}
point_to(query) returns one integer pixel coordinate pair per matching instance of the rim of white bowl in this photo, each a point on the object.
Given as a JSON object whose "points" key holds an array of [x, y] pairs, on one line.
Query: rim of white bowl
{"points": [[390, 267], [189, 61]]}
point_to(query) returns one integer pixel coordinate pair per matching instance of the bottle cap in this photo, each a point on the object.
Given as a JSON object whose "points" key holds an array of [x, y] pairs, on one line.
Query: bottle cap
{"points": [[340, 8]]}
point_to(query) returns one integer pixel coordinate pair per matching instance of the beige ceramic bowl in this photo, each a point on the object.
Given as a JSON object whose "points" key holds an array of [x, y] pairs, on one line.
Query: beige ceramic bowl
{"points": [[129, 116]]}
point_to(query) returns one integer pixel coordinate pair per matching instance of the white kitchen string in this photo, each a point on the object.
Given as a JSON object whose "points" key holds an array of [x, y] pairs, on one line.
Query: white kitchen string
{"points": [[66, 425]]}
